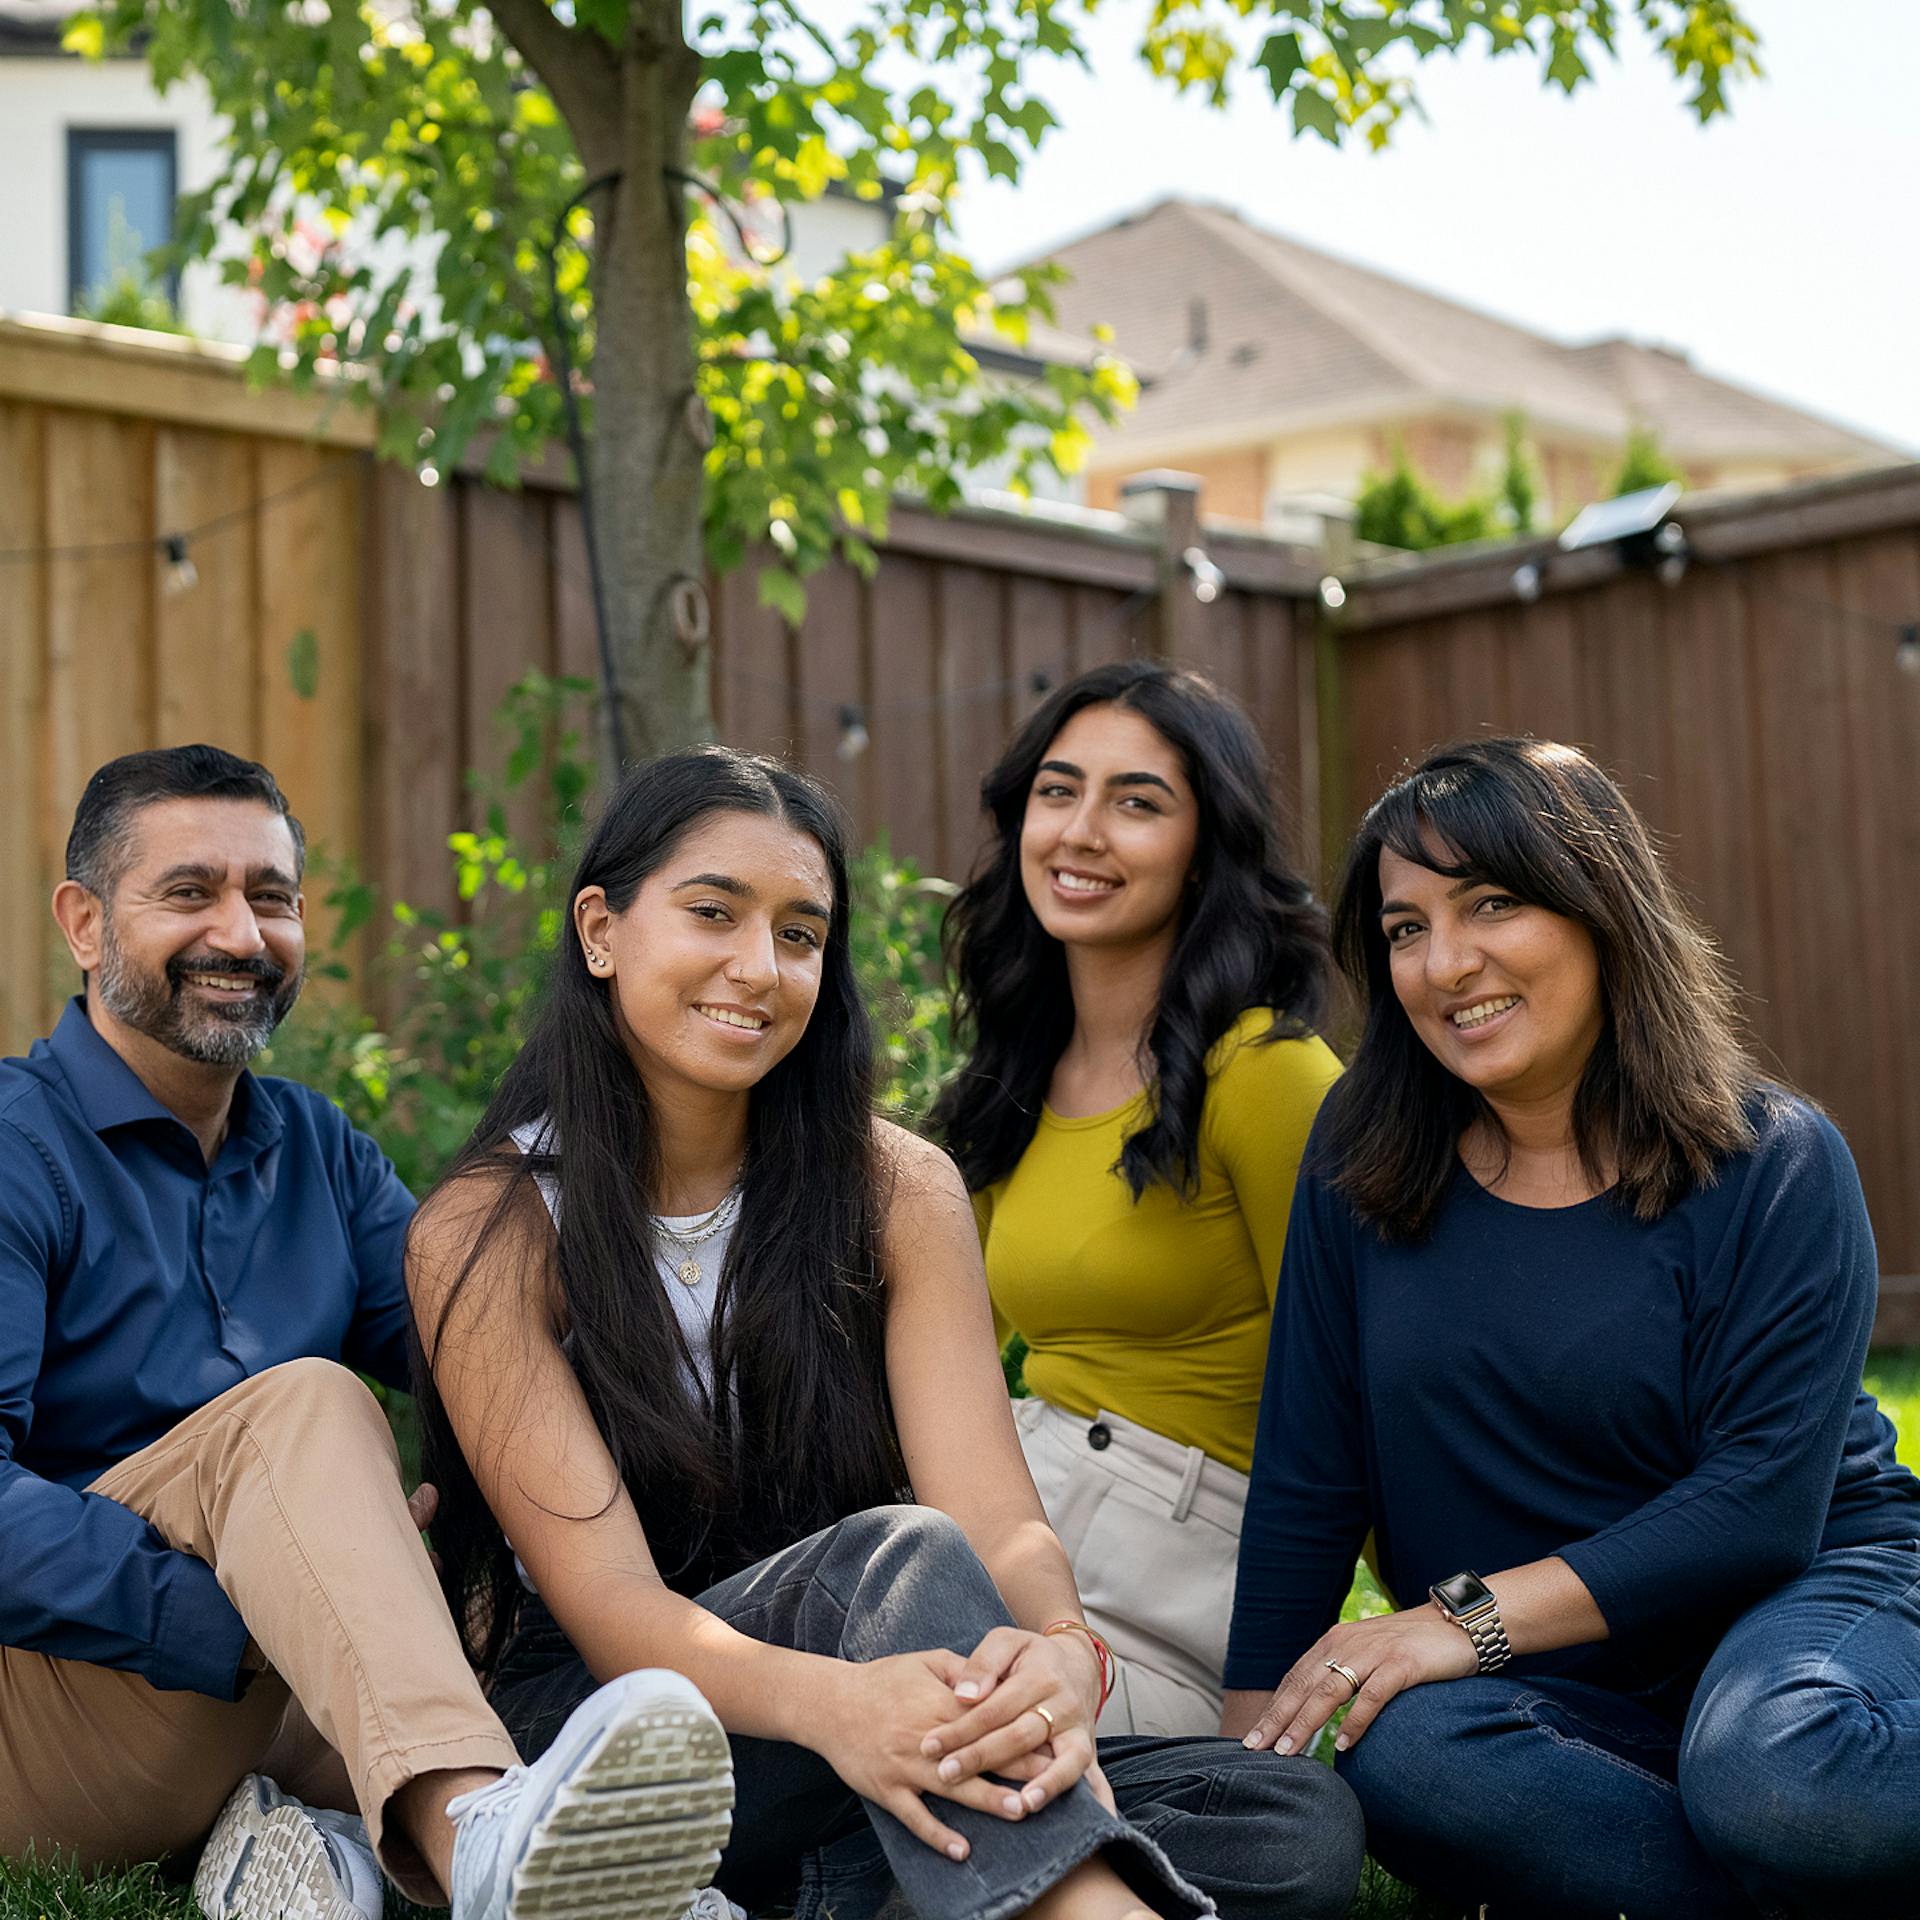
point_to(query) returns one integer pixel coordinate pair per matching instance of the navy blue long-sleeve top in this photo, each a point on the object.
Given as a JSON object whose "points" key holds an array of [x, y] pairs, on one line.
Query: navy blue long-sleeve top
{"points": [[136, 1284], [1672, 1407]]}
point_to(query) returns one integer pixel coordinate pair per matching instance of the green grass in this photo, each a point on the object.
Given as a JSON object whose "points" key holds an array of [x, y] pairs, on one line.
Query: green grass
{"points": [[29, 1891]]}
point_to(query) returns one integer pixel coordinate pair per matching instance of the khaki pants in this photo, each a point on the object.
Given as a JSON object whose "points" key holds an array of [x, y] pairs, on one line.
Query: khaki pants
{"points": [[288, 1486], [1153, 1531]]}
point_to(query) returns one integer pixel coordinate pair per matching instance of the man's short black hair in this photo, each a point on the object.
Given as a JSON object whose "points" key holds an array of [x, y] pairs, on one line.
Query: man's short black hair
{"points": [[100, 844]]}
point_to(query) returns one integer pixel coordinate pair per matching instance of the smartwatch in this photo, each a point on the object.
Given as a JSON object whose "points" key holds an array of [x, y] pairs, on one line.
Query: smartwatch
{"points": [[1468, 1602]]}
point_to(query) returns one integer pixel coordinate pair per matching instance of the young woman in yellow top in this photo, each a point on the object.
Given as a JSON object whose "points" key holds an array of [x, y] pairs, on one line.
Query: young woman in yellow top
{"points": [[1138, 970]]}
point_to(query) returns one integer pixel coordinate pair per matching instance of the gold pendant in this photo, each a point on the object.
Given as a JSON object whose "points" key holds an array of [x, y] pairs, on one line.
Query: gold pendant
{"points": [[690, 1271]]}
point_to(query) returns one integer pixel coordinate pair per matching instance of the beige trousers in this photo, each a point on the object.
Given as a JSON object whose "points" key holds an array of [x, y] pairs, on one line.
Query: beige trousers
{"points": [[288, 1486], [1153, 1531]]}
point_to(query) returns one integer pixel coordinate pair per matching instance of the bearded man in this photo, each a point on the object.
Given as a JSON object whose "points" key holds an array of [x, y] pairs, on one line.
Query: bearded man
{"points": [[215, 1605]]}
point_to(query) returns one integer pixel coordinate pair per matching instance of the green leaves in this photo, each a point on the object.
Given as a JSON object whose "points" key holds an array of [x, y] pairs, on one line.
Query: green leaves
{"points": [[398, 173], [1351, 68], [303, 663], [1280, 59]]}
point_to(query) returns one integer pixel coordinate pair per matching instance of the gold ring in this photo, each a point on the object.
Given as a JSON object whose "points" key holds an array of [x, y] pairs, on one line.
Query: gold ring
{"points": [[1046, 1716], [1347, 1674]]}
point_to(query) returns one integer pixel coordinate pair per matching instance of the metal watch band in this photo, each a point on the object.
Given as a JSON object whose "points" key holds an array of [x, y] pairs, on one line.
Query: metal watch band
{"points": [[1482, 1626]]}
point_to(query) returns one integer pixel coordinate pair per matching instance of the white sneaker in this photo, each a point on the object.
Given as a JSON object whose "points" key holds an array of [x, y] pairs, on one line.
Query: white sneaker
{"points": [[270, 1858], [623, 1816], [711, 1904]]}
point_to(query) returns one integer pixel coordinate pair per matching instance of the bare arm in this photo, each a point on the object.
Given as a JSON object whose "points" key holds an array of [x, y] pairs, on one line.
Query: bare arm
{"points": [[963, 1456]]}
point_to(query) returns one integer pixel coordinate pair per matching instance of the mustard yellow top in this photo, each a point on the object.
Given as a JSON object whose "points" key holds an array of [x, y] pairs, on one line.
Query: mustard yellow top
{"points": [[1158, 1310]]}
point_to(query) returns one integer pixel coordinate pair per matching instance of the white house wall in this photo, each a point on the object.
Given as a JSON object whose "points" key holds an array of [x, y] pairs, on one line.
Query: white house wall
{"points": [[40, 100]]}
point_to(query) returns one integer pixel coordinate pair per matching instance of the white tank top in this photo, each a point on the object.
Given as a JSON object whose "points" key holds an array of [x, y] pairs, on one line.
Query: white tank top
{"points": [[692, 1305]]}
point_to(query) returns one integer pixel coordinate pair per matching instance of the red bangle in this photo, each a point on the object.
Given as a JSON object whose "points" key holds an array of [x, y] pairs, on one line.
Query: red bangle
{"points": [[1109, 1665]]}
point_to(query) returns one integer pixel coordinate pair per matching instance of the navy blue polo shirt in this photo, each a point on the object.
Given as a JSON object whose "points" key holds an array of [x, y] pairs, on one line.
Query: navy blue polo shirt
{"points": [[136, 1284]]}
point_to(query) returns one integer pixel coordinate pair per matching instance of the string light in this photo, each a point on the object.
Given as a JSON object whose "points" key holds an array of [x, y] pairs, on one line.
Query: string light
{"points": [[854, 738], [182, 575]]}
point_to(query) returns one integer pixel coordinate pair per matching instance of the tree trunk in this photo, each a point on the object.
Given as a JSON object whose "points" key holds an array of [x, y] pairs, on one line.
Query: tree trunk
{"points": [[628, 112]]}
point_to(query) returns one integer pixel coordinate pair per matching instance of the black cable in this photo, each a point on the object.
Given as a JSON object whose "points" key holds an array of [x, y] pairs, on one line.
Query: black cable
{"points": [[726, 206], [159, 543]]}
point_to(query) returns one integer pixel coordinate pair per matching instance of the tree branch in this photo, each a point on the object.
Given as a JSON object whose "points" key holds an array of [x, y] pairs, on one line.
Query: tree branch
{"points": [[574, 65]]}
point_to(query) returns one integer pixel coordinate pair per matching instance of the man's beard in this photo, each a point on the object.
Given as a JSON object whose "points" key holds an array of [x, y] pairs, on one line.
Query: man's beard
{"points": [[162, 1006]]}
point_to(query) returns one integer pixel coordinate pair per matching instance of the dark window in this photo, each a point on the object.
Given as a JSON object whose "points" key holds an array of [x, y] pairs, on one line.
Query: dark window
{"points": [[120, 189]]}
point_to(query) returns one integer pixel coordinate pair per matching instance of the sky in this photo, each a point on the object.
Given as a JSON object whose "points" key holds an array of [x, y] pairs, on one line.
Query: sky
{"points": [[1779, 247]]}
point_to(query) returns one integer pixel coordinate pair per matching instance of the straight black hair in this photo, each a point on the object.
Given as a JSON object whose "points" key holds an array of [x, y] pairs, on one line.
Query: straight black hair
{"points": [[1250, 935], [1665, 1095], [797, 1431], [99, 843]]}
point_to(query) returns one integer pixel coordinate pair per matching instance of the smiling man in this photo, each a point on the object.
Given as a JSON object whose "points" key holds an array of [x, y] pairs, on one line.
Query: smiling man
{"points": [[213, 1593]]}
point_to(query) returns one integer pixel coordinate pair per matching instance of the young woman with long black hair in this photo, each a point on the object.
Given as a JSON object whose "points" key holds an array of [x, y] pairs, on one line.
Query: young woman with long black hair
{"points": [[710, 1384], [1575, 1307], [1138, 971]]}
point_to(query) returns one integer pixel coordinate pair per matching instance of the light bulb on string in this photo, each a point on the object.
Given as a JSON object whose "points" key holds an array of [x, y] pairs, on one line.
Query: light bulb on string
{"points": [[182, 576], [854, 738]]}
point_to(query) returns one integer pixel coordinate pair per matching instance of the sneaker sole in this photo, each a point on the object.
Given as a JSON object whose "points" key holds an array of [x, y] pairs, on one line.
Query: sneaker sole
{"points": [[266, 1866], [637, 1828]]}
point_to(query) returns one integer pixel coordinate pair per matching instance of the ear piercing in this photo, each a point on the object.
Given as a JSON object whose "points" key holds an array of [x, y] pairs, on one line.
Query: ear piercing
{"points": [[597, 961]]}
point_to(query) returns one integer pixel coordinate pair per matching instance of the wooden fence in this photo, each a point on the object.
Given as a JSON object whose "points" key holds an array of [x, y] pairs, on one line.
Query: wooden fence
{"points": [[357, 631]]}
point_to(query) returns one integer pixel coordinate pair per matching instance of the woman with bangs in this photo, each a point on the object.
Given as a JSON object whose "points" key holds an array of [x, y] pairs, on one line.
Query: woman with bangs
{"points": [[1574, 1312], [709, 1385], [1139, 970]]}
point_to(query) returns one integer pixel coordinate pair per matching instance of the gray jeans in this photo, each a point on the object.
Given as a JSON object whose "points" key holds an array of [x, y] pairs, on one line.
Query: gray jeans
{"points": [[1204, 1825]]}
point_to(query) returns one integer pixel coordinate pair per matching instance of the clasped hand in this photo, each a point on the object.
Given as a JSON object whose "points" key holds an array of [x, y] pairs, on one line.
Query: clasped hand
{"points": [[934, 1723], [1387, 1655]]}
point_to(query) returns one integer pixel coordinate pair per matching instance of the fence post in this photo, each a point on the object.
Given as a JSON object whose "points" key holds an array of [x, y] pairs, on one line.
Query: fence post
{"points": [[1168, 504]]}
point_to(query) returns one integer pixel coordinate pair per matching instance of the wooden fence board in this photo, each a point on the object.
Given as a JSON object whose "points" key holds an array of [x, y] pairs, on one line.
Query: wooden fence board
{"points": [[308, 666], [99, 493], [902, 639], [753, 667], [415, 687], [831, 668], [974, 721], [205, 635], [25, 879], [506, 610]]}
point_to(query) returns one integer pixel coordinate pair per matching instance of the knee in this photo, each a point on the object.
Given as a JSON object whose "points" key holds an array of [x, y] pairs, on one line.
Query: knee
{"points": [[1328, 1842], [317, 1397], [909, 1534], [1775, 1777]]}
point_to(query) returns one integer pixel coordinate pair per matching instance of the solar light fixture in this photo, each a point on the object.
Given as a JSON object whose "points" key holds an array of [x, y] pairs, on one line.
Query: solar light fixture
{"points": [[1634, 516]]}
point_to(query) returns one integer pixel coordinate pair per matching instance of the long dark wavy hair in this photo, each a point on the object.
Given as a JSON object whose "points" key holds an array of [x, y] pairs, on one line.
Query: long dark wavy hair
{"points": [[1250, 935], [797, 1431], [1667, 1092]]}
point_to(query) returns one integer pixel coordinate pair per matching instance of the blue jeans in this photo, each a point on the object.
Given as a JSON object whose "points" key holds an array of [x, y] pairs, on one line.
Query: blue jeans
{"points": [[1203, 1826], [1792, 1788]]}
